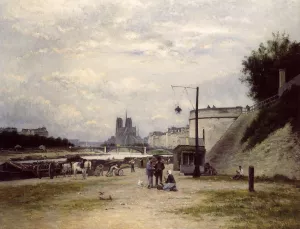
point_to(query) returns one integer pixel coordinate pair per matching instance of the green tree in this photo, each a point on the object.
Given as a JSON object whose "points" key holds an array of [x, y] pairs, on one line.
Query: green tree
{"points": [[261, 68]]}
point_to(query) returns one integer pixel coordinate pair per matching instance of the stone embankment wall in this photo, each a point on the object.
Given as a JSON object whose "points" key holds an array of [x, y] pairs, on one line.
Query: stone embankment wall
{"points": [[214, 121], [278, 154]]}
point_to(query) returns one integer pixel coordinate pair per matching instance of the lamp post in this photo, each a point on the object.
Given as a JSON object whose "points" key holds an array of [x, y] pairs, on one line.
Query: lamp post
{"points": [[197, 155]]}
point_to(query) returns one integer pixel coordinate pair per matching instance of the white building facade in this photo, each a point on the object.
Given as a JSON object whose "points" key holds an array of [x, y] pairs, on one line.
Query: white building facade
{"points": [[173, 137]]}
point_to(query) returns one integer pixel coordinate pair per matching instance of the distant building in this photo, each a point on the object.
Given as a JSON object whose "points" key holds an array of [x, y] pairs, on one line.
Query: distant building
{"points": [[39, 131], [75, 142], [126, 135], [89, 144], [172, 138], [146, 140], [111, 140], [8, 129]]}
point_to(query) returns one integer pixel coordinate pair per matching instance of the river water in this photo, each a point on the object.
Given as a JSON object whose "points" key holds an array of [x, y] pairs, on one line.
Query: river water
{"points": [[108, 156]]}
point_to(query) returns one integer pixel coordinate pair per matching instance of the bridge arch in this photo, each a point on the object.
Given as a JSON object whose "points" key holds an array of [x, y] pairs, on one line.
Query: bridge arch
{"points": [[139, 149]]}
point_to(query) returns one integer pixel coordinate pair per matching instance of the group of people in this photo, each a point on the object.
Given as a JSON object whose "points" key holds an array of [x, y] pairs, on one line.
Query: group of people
{"points": [[208, 169], [155, 169]]}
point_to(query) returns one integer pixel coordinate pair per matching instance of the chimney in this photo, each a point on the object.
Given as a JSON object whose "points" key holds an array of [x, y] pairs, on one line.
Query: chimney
{"points": [[281, 77]]}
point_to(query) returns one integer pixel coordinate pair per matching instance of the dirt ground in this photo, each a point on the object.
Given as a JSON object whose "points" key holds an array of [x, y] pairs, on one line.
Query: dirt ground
{"points": [[132, 206]]}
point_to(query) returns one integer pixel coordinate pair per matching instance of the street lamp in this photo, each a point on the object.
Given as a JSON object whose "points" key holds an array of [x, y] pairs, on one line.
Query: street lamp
{"points": [[197, 155], [178, 110]]}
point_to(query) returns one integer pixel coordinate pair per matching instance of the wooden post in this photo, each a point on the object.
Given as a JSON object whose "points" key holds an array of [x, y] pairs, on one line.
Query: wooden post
{"points": [[251, 179], [197, 154]]}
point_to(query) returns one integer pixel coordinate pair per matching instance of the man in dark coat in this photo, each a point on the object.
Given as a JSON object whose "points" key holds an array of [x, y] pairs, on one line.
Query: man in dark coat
{"points": [[159, 167], [149, 171]]}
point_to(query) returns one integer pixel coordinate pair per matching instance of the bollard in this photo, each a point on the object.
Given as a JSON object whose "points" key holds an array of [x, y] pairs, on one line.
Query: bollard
{"points": [[251, 179]]}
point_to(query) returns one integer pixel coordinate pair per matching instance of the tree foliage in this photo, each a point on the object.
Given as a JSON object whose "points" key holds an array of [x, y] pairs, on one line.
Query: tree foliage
{"points": [[11, 139], [261, 68], [272, 118]]}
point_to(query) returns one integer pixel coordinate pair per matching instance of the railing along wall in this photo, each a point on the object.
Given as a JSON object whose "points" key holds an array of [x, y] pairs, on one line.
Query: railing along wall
{"points": [[263, 104]]}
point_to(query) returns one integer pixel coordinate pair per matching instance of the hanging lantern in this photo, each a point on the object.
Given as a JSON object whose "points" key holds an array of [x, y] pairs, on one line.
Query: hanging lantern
{"points": [[178, 110]]}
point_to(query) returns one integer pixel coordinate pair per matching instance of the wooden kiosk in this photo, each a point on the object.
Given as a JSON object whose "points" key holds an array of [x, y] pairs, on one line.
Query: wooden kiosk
{"points": [[184, 156]]}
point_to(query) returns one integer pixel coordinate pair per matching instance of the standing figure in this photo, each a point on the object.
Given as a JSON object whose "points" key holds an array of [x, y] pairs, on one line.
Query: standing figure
{"points": [[132, 165], [83, 169], [99, 170], [168, 161], [142, 163], [159, 167], [150, 171]]}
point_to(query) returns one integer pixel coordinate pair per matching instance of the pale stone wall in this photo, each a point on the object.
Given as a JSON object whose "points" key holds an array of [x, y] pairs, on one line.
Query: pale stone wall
{"points": [[157, 140], [176, 139], [222, 112], [214, 122], [214, 129]]}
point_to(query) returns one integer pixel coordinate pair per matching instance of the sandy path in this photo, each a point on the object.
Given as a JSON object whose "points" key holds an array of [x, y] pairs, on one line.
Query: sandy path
{"points": [[132, 206]]}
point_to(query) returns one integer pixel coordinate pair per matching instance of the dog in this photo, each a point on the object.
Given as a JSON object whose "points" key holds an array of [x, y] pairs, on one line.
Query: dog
{"points": [[140, 183]]}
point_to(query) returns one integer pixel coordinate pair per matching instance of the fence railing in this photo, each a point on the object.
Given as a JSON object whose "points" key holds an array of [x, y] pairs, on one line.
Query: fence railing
{"points": [[263, 104]]}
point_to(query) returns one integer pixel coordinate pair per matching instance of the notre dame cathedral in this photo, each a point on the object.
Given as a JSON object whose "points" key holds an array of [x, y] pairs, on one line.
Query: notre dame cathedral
{"points": [[126, 135]]}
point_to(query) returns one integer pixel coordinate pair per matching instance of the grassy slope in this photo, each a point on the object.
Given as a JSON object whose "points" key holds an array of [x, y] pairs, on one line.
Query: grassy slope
{"points": [[229, 144], [279, 153], [278, 208], [36, 197]]}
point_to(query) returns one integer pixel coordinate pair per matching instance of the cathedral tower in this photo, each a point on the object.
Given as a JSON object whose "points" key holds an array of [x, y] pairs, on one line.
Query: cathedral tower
{"points": [[119, 125]]}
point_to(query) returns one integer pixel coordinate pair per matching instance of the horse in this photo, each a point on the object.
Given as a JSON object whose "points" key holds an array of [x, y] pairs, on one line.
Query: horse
{"points": [[76, 167]]}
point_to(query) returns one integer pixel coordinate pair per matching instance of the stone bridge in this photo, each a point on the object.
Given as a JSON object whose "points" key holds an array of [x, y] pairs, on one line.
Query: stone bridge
{"points": [[141, 149]]}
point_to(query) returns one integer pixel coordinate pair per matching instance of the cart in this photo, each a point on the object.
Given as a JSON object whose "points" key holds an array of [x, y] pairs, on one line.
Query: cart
{"points": [[49, 169], [116, 172]]}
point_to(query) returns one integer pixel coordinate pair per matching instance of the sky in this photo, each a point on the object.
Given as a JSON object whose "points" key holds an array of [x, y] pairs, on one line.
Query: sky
{"points": [[75, 66]]}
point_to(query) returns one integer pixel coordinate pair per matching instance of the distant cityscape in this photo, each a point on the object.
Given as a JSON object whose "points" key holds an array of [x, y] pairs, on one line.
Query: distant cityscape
{"points": [[213, 122], [124, 135], [39, 131], [128, 135]]}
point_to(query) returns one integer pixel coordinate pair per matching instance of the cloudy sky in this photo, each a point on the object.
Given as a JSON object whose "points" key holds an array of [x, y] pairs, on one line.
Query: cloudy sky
{"points": [[75, 65]]}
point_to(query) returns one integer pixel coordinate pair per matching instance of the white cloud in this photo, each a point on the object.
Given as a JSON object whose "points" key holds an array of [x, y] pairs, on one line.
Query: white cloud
{"points": [[74, 66]]}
